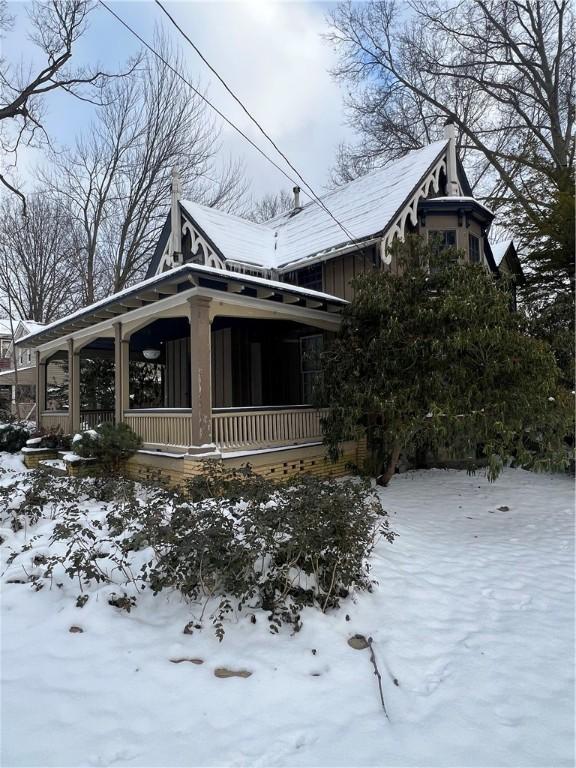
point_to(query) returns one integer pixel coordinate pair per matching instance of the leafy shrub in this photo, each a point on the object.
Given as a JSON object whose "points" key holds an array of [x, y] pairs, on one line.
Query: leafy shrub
{"points": [[56, 439], [109, 444], [13, 437], [305, 544], [256, 546], [218, 481]]}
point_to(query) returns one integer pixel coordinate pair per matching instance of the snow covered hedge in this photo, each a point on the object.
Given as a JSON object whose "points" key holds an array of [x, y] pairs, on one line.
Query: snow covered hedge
{"points": [[252, 546]]}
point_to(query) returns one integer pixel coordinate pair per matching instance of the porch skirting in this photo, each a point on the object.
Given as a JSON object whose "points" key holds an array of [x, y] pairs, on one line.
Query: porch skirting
{"points": [[277, 464]]}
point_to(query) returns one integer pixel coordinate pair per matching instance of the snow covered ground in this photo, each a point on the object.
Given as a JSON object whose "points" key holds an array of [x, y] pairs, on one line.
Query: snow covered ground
{"points": [[473, 615]]}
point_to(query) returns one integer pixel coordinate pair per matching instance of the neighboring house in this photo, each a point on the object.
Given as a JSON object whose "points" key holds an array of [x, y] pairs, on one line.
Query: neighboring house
{"points": [[226, 330], [18, 368]]}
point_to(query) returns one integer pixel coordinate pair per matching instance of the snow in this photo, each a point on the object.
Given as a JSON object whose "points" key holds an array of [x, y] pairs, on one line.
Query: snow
{"points": [[54, 464], [473, 614], [364, 207]]}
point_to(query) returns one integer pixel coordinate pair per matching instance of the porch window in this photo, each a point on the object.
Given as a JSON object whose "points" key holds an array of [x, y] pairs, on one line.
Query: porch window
{"points": [[310, 364], [474, 249]]}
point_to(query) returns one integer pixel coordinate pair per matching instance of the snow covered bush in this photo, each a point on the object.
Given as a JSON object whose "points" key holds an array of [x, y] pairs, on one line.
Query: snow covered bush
{"points": [[13, 437], [305, 544], [260, 548], [109, 444]]}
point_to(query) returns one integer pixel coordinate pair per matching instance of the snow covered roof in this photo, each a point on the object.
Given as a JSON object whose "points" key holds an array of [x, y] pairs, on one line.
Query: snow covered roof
{"points": [[364, 207], [499, 250], [31, 326], [21, 327]]}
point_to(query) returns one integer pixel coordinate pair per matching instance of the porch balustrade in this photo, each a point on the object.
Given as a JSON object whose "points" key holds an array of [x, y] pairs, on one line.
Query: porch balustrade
{"points": [[232, 428], [162, 427], [55, 421], [261, 428], [91, 419]]}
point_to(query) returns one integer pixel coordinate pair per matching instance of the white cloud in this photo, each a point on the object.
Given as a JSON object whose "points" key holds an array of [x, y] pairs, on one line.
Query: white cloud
{"points": [[271, 54], [273, 57]]}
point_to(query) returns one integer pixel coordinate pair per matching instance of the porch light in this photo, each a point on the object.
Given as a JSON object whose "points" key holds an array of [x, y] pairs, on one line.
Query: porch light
{"points": [[151, 354]]}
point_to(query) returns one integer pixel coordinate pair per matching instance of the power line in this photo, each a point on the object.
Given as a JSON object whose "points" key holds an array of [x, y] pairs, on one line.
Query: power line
{"points": [[196, 91], [227, 120], [317, 199]]}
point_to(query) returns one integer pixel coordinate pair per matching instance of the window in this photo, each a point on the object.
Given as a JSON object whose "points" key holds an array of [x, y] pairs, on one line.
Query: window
{"points": [[309, 277], [474, 249], [444, 238], [310, 364]]}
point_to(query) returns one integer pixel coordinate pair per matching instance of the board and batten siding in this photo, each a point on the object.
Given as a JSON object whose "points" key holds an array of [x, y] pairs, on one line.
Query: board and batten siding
{"points": [[222, 368], [177, 387], [339, 272]]}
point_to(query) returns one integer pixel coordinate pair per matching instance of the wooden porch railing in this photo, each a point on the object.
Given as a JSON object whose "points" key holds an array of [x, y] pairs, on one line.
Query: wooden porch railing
{"points": [[265, 427], [232, 428], [91, 419], [55, 421], [162, 426]]}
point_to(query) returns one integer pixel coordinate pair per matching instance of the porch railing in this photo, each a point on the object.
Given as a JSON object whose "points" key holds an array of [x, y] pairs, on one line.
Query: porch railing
{"points": [[232, 428], [55, 421], [162, 426], [265, 427], [91, 419]]}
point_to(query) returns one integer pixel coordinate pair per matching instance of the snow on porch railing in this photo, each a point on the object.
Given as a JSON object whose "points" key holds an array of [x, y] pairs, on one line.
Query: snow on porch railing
{"points": [[162, 426], [260, 428]]}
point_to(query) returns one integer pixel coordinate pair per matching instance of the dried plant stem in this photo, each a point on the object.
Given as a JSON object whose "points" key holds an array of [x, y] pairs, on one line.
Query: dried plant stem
{"points": [[378, 675]]}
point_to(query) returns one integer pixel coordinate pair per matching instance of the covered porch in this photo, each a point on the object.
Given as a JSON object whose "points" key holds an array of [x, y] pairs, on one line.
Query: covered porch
{"points": [[197, 361]]}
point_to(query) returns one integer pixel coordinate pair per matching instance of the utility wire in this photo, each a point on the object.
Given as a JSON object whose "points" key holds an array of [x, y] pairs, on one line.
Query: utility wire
{"points": [[317, 199], [196, 91], [229, 122]]}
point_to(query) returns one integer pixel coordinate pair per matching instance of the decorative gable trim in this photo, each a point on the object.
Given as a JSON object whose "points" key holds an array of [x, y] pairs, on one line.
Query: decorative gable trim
{"points": [[198, 241], [409, 209]]}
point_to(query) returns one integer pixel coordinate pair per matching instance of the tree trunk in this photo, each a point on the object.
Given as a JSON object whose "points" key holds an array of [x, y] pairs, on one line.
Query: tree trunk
{"points": [[388, 473]]}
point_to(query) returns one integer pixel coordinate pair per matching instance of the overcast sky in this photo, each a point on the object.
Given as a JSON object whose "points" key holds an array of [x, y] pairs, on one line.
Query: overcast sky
{"points": [[271, 54]]}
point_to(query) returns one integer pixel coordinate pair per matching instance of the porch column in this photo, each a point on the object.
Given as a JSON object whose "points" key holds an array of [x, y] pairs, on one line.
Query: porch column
{"points": [[201, 374], [73, 387], [40, 389], [121, 373]]}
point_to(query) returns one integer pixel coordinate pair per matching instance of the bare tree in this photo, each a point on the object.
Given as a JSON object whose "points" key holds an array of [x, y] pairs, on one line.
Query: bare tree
{"points": [[269, 206], [55, 28], [116, 180], [503, 70], [37, 259]]}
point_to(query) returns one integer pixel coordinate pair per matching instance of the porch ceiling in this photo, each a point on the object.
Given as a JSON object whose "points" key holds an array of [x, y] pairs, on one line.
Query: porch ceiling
{"points": [[165, 294]]}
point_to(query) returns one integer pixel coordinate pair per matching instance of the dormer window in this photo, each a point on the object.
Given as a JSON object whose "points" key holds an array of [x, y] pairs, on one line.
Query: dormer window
{"points": [[474, 249]]}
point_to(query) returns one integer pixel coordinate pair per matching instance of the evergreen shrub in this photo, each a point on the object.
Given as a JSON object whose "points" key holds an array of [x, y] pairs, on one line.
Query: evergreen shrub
{"points": [[13, 437], [109, 444]]}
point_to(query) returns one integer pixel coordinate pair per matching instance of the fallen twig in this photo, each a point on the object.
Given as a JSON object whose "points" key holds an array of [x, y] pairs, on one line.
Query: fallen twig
{"points": [[378, 675]]}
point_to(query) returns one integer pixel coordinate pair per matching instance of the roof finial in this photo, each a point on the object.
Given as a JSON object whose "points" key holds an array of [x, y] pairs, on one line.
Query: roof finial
{"points": [[452, 185], [175, 223]]}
